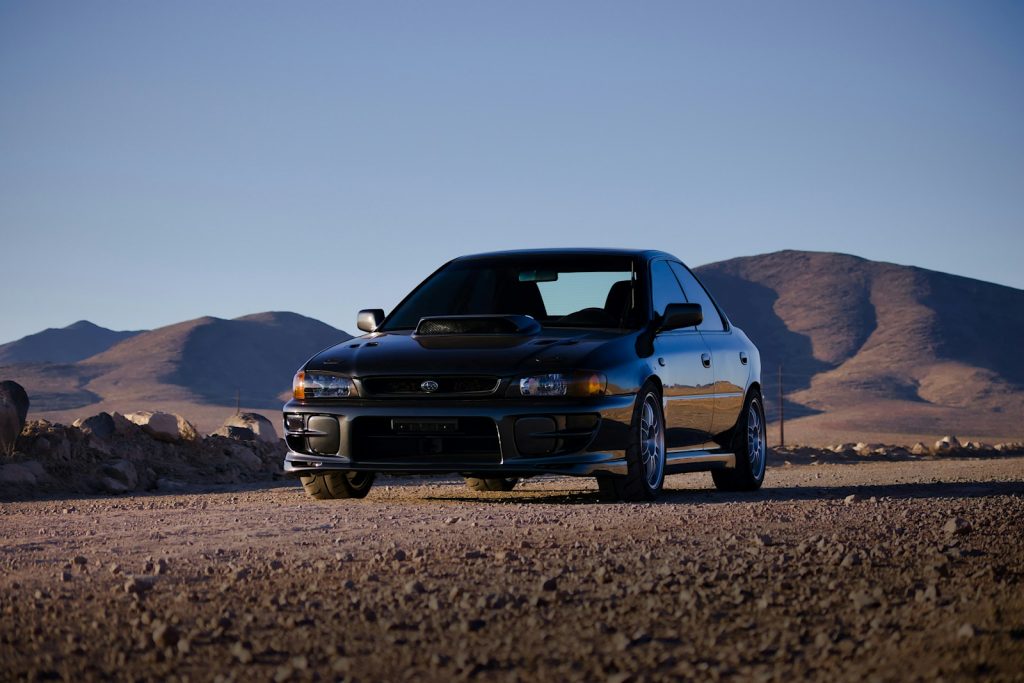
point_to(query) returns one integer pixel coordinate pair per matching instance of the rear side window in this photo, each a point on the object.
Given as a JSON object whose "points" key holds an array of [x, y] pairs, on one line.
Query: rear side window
{"points": [[665, 287], [696, 294]]}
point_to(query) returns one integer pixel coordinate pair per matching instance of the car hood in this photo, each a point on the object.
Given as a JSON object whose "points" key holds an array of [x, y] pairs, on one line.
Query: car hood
{"points": [[402, 353]]}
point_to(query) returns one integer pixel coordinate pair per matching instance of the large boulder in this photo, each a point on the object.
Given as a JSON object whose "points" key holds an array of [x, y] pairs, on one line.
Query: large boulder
{"points": [[236, 433], [164, 426], [260, 426], [948, 443], [119, 477], [101, 425], [14, 475], [13, 411]]}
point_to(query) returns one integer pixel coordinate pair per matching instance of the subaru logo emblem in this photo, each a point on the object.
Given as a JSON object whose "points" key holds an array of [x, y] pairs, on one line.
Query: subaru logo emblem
{"points": [[429, 386]]}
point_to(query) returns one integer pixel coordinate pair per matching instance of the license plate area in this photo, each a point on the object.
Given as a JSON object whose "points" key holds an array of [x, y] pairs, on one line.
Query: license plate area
{"points": [[412, 425]]}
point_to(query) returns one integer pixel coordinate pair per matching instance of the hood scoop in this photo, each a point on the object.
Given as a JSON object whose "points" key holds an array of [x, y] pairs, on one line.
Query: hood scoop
{"points": [[477, 324]]}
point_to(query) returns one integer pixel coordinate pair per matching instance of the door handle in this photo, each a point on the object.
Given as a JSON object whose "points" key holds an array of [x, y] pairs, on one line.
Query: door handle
{"points": [[705, 358], [743, 357]]}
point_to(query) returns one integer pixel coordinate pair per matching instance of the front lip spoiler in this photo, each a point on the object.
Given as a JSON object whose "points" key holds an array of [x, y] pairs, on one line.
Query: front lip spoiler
{"points": [[577, 464]]}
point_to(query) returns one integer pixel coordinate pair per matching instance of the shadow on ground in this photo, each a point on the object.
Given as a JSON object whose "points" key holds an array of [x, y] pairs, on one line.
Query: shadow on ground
{"points": [[710, 496]]}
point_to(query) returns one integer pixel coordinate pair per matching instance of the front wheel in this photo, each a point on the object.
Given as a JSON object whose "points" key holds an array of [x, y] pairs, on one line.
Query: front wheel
{"points": [[334, 485], [645, 456], [750, 444]]}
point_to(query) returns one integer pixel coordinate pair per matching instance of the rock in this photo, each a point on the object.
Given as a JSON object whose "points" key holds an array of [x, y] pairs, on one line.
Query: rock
{"points": [[246, 457], [236, 433], [966, 631], [101, 425], [164, 426], [16, 474], [138, 585], [919, 449], [14, 405], [113, 486], [164, 635], [948, 443], [122, 471], [851, 499], [171, 485], [261, 427], [550, 584], [957, 526]]}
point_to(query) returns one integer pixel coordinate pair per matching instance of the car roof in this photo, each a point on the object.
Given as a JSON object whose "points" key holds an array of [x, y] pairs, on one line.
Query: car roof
{"points": [[645, 254]]}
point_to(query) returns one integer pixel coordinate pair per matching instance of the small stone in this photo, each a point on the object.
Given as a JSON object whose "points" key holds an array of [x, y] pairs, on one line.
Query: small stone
{"points": [[242, 651], [957, 526], [851, 499], [164, 635], [138, 585], [80, 561], [415, 588], [550, 584], [400, 555], [966, 631]]}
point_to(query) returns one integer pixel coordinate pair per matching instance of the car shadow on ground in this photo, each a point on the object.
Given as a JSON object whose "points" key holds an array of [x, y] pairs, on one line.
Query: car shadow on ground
{"points": [[703, 496]]}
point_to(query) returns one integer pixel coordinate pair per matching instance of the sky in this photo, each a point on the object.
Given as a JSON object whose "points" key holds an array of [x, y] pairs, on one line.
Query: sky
{"points": [[164, 161]]}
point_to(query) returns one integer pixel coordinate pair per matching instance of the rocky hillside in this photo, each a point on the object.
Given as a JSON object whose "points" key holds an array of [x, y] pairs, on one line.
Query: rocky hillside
{"points": [[193, 368], [876, 347], [62, 345]]}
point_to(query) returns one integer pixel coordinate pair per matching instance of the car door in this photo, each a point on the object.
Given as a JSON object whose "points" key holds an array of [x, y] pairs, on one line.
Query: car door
{"points": [[684, 364], [728, 355]]}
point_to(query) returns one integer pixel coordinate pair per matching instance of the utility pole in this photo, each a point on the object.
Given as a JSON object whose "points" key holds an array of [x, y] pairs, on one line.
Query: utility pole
{"points": [[782, 413]]}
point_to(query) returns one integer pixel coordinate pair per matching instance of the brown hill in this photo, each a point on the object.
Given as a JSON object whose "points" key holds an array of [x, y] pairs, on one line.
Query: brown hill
{"points": [[62, 345], [878, 351], [194, 368]]}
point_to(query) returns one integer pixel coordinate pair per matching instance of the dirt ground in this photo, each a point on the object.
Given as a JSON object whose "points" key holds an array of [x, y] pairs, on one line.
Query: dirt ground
{"points": [[871, 571]]}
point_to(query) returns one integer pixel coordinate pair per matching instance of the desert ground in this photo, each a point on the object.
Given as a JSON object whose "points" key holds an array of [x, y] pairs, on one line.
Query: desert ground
{"points": [[872, 571]]}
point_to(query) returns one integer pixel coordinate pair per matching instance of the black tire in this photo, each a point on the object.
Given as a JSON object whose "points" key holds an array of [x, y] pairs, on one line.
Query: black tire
{"points": [[750, 445], [496, 484], [335, 485], [645, 455], [606, 489]]}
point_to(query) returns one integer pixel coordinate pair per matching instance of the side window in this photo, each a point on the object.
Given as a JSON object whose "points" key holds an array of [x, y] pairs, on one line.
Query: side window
{"points": [[664, 287], [696, 294]]}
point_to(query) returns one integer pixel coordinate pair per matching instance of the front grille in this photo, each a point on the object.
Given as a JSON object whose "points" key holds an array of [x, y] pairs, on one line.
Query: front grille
{"points": [[425, 440], [412, 386]]}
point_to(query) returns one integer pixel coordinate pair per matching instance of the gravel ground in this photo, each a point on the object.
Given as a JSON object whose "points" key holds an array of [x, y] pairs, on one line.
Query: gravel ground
{"points": [[873, 571]]}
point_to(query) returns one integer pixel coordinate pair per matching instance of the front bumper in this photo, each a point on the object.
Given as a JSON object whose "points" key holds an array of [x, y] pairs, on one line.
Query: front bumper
{"points": [[372, 436]]}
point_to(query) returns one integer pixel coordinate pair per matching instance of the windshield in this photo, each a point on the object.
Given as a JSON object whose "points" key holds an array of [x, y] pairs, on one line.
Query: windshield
{"points": [[569, 290]]}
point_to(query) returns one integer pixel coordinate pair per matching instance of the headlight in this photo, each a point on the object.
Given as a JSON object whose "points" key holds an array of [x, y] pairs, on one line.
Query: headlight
{"points": [[321, 385], [564, 384]]}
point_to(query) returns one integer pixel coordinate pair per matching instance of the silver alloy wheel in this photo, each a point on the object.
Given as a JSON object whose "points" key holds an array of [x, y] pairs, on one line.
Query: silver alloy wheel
{"points": [[652, 441], [757, 445]]}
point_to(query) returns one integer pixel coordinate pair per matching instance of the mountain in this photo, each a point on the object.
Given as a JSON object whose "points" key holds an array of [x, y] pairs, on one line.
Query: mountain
{"points": [[877, 348], [197, 368], [62, 345], [869, 351]]}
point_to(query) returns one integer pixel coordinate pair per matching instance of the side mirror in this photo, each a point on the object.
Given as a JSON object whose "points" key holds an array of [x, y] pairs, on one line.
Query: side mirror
{"points": [[681, 315], [369, 319]]}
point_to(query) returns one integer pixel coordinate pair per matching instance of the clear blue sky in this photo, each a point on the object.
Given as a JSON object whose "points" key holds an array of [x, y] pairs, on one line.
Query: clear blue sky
{"points": [[162, 161]]}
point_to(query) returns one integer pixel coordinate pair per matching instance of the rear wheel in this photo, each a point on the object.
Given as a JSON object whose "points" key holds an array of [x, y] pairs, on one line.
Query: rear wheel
{"points": [[750, 444], [645, 456], [491, 484], [333, 485]]}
